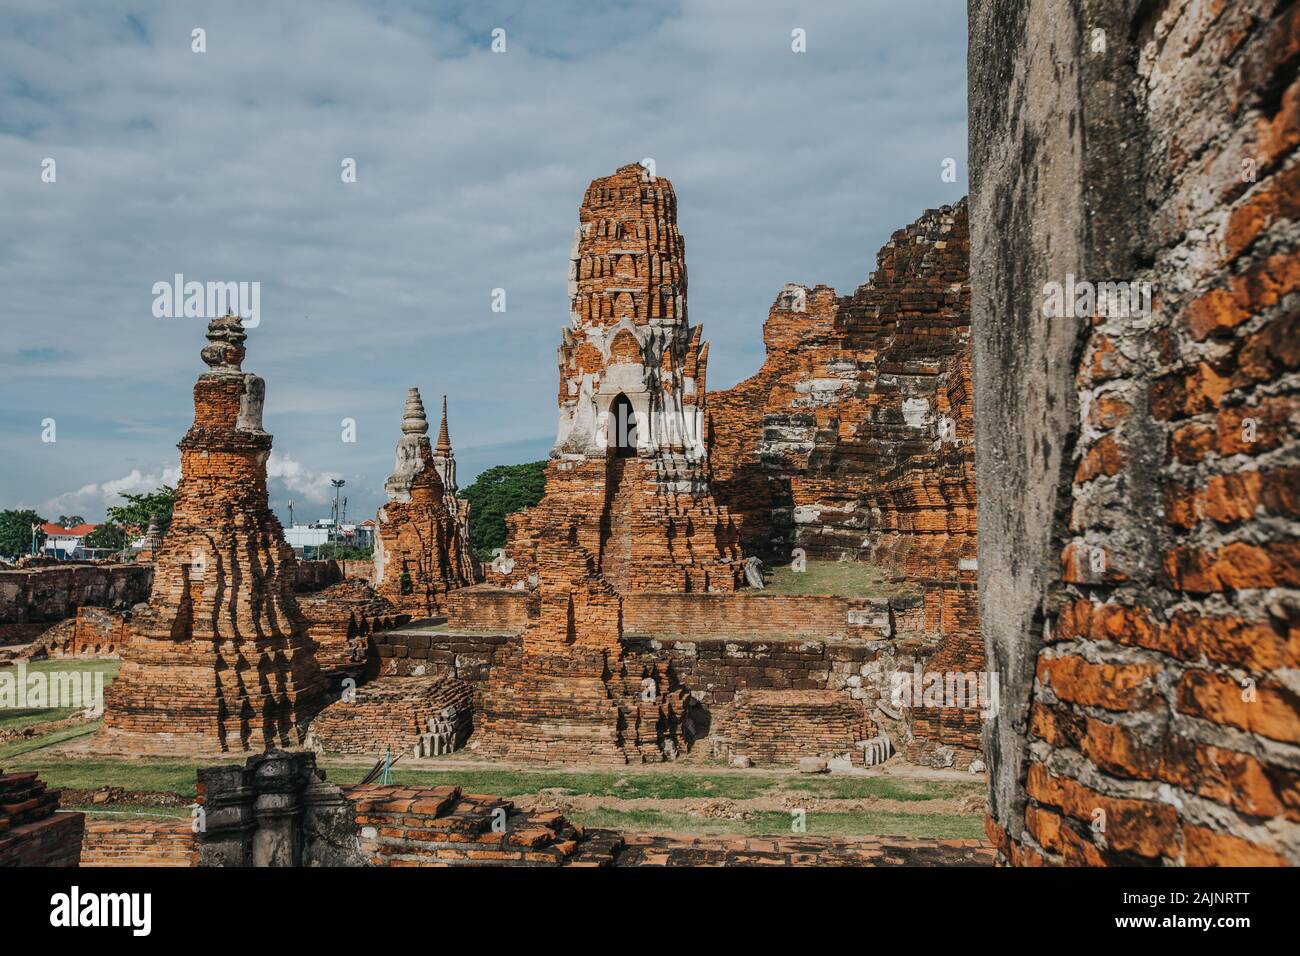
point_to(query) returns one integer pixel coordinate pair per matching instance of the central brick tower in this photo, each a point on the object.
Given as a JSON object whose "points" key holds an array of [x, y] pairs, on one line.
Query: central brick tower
{"points": [[629, 472], [627, 504]]}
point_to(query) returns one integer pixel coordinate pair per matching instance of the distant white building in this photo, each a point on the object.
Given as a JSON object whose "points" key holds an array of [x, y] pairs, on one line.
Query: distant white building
{"points": [[66, 542], [307, 538]]}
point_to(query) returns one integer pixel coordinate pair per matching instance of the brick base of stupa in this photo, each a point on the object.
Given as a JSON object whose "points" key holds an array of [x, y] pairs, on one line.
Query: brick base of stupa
{"points": [[191, 698], [580, 706]]}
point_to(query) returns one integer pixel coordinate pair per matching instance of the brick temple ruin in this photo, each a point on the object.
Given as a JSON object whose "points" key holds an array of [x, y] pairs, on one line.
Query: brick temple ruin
{"points": [[1135, 575], [220, 660], [621, 622], [422, 548]]}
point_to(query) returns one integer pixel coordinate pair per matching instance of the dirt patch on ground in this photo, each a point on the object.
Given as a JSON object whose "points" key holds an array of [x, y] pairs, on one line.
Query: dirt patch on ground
{"points": [[108, 796]]}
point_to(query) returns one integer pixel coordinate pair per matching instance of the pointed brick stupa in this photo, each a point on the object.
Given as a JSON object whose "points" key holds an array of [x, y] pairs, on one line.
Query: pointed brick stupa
{"points": [[421, 550], [221, 660]]}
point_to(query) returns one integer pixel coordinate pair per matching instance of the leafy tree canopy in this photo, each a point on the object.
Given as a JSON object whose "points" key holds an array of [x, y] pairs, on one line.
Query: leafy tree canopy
{"points": [[344, 552], [16, 532], [107, 535], [498, 492], [135, 514], [70, 521]]}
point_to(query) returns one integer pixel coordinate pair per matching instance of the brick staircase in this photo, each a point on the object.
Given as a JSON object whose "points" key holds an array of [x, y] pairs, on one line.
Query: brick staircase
{"points": [[617, 524]]}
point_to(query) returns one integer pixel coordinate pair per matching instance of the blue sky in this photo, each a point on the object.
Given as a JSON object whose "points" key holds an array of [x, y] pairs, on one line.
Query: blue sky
{"points": [[225, 166]]}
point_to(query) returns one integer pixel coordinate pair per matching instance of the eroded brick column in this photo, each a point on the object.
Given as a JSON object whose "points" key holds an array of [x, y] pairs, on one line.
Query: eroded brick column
{"points": [[221, 659]]}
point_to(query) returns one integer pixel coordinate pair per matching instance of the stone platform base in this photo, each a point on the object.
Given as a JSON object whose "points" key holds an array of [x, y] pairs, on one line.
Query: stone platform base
{"points": [[583, 705]]}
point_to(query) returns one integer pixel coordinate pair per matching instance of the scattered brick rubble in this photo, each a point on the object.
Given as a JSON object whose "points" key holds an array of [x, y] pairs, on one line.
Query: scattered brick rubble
{"points": [[278, 811], [220, 660]]}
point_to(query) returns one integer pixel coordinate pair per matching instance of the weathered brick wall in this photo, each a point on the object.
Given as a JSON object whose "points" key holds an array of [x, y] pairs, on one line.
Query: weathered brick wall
{"points": [[152, 842], [341, 618], [468, 656], [391, 713], [33, 831], [715, 669], [760, 615], [777, 727], [858, 428], [33, 595], [94, 632], [1139, 471], [487, 608], [856, 438]]}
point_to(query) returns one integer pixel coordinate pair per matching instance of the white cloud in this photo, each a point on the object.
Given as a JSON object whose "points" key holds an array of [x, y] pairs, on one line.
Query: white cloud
{"points": [[300, 480], [471, 167], [93, 499]]}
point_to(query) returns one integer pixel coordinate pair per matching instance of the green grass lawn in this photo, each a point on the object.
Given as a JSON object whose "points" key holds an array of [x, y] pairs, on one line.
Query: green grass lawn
{"points": [[939, 826], [839, 578], [20, 718]]}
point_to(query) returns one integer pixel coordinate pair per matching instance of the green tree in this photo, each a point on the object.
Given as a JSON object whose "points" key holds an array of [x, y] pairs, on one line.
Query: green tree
{"points": [[344, 552], [16, 533], [135, 514], [70, 521], [107, 535], [498, 492]]}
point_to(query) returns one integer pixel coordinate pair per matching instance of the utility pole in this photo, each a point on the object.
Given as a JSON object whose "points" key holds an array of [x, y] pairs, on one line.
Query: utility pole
{"points": [[334, 531], [290, 512]]}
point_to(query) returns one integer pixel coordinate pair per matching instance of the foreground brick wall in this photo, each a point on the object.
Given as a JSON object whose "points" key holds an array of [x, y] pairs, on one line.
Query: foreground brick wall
{"points": [[1140, 564], [33, 832], [151, 842]]}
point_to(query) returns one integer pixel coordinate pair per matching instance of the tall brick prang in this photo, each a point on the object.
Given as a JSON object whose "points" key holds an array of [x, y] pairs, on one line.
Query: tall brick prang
{"points": [[221, 659], [629, 473], [628, 507]]}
